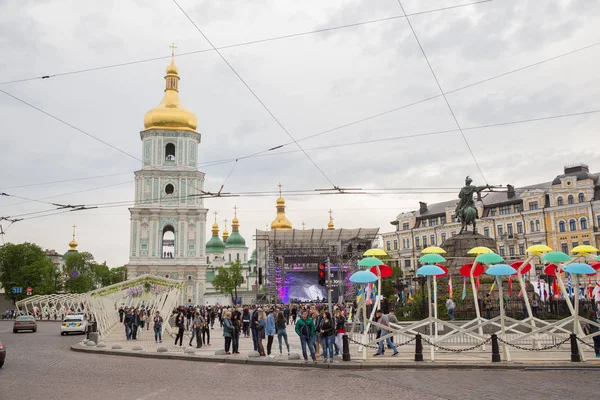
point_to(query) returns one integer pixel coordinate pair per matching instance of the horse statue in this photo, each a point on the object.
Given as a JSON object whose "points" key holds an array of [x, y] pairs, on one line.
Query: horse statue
{"points": [[468, 216], [466, 212]]}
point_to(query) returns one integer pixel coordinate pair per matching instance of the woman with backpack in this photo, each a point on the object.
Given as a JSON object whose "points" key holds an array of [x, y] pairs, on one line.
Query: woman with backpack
{"points": [[261, 323], [327, 332], [280, 324]]}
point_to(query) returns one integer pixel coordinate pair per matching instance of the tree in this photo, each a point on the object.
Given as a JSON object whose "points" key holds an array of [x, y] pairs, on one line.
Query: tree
{"points": [[25, 265], [229, 279], [118, 274], [85, 279]]}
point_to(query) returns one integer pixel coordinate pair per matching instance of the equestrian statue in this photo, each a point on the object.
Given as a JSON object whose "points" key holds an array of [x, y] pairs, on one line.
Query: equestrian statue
{"points": [[466, 212]]}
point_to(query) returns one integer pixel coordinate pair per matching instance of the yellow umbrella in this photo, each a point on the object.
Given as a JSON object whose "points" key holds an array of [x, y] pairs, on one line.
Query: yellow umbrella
{"points": [[584, 249], [538, 249], [375, 253], [433, 250], [480, 250]]}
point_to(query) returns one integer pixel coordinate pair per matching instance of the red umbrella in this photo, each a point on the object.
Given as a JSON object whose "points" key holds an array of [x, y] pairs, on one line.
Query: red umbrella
{"points": [[517, 264], [385, 270], [445, 271], [550, 269], [596, 265], [465, 270]]}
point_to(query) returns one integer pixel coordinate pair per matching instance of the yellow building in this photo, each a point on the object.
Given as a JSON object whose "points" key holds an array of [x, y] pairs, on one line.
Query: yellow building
{"points": [[562, 213]]}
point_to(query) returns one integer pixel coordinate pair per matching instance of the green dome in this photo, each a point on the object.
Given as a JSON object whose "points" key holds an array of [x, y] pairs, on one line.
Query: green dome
{"points": [[215, 245], [236, 240], [253, 258]]}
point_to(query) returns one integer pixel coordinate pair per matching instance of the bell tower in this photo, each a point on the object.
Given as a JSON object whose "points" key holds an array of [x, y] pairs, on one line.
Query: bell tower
{"points": [[167, 220]]}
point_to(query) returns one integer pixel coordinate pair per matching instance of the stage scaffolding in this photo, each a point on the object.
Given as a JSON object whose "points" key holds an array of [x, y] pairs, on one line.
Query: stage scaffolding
{"points": [[281, 251]]}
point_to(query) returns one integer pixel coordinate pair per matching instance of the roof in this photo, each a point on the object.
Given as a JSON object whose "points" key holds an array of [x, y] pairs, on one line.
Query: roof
{"points": [[235, 240], [436, 208], [317, 235], [215, 245]]}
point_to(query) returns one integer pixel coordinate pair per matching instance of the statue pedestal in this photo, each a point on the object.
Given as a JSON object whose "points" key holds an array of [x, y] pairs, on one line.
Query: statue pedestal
{"points": [[457, 247]]}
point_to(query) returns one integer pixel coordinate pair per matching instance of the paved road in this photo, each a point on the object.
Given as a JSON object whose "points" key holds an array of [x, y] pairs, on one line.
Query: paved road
{"points": [[41, 366]]}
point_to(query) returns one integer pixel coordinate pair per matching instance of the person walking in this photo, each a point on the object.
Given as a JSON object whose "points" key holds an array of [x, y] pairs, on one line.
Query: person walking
{"points": [[228, 331], [121, 314], [246, 322], [136, 324], [128, 322], [206, 329], [294, 314], [197, 329], [534, 306], [340, 330], [261, 323], [450, 306], [148, 318], [270, 332], [280, 324], [384, 320], [592, 316], [157, 325], [180, 324], [305, 328], [327, 332], [253, 323]]}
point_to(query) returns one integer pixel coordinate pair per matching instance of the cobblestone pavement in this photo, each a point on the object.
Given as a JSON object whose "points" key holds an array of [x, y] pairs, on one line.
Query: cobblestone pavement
{"points": [[41, 366]]}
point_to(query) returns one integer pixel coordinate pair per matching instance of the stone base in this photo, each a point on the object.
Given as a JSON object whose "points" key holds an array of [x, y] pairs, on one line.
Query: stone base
{"points": [[457, 247]]}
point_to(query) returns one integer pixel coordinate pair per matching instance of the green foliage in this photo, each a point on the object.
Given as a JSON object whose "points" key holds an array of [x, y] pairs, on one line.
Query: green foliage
{"points": [[227, 280], [387, 285], [415, 309]]}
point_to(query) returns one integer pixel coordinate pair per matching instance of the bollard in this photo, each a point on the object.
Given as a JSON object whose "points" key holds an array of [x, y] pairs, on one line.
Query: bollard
{"points": [[575, 357], [345, 348], [418, 348], [495, 348]]}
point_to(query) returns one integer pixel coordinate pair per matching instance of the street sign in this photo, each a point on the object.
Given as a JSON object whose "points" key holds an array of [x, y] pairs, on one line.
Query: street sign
{"points": [[29, 290], [17, 290], [75, 274]]}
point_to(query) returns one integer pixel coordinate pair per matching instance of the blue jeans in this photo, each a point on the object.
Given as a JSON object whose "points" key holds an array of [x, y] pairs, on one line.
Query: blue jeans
{"points": [[304, 341], [388, 341], [327, 347], [254, 338], [282, 333], [157, 333], [451, 313], [128, 331]]}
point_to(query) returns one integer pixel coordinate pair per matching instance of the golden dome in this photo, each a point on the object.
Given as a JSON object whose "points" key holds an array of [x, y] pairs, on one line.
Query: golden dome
{"points": [[170, 114], [330, 226], [73, 245], [281, 222]]}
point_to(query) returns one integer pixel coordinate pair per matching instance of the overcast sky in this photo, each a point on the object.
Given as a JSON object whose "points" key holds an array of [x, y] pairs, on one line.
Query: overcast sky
{"points": [[311, 83]]}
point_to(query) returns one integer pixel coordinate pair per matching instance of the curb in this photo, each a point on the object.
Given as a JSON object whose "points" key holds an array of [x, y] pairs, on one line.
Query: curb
{"points": [[351, 365]]}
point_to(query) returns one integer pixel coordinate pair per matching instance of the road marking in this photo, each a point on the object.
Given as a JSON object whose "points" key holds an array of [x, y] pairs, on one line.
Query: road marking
{"points": [[153, 394]]}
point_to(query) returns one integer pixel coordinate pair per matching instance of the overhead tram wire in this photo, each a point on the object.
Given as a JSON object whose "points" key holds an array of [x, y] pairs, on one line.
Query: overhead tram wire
{"points": [[65, 180], [442, 92], [271, 39], [255, 95]]}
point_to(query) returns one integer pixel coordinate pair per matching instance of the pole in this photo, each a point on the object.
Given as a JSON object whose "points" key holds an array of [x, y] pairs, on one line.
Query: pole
{"points": [[329, 306]]}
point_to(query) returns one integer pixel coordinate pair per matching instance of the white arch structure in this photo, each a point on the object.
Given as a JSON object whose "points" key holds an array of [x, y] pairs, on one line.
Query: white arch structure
{"points": [[153, 292]]}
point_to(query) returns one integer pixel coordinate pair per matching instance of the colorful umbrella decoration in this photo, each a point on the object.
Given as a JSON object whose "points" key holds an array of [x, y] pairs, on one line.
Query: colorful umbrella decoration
{"points": [[580, 269], [480, 250], [430, 270], [556, 257], [370, 262], [385, 270], [433, 250], [500, 270], [517, 264], [489, 258], [374, 252], [538, 248], [444, 269], [465, 270], [584, 249], [363, 277], [431, 259]]}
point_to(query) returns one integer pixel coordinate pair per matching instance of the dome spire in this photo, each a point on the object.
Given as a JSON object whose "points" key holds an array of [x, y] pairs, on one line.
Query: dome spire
{"points": [[330, 226], [215, 245], [281, 222], [235, 223], [73, 243], [215, 226], [225, 232]]}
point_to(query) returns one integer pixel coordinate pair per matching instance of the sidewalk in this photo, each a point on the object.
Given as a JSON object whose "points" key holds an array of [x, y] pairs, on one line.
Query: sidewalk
{"points": [[478, 358]]}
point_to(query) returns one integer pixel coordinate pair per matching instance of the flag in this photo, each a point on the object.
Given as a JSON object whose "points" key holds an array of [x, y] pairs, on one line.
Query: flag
{"points": [[555, 287], [450, 287], [492, 287], [368, 293], [569, 285], [464, 293], [374, 291], [402, 294], [397, 295], [510, 285], [410, 292], [539, 289], [360, 295]]}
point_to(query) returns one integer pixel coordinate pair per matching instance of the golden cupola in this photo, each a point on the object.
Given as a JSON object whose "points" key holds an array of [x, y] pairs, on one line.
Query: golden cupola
{"points": [[330, 226], [281, 222], [170, 114], [225, 232]]}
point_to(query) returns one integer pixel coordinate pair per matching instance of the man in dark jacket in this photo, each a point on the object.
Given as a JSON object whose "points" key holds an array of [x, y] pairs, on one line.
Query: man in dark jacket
{"points": [[128, 322], [253, 322]]}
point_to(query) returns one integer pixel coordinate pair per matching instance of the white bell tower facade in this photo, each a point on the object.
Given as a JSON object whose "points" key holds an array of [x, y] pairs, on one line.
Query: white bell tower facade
{"points": [[167, 220]]}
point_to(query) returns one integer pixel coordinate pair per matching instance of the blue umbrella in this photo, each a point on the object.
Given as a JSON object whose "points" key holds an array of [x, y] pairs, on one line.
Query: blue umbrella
{"points": [[501, 269], [579, 269], [363, 277], [430, 270]]}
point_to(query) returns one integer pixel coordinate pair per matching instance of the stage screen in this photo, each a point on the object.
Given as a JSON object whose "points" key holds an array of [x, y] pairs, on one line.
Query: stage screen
{"points": [[304, 286]]}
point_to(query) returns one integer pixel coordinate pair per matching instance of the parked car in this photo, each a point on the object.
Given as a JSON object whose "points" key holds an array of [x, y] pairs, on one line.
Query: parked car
{"points": [[24, 323], [73, 323], [2, 354]]}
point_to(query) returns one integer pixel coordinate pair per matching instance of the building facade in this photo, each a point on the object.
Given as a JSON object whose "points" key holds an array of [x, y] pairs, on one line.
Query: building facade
{"points": [[562, 214]]}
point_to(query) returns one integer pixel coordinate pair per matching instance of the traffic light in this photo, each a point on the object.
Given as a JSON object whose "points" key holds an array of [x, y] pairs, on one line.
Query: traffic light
{"points": [[322, 274]]}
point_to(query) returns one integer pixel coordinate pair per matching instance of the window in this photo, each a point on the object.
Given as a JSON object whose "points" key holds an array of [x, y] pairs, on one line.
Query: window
{"points": [[531, 226], [454, 218], [170, 152], [388, 245], [574, 244], [500, 230], [533, 205], [521, 249], [509, 229], [405, 226], [407, 263], [502, 252], [584, 223], [511, 251], [564, 248], [572, 225], [519, 227], [598, 220], [424, 223], [424, 241], [493, 212], [408, 243], [570, 199], [504, 210], [168, 242], [559, 201], [230, 258], [486, 232], [581, 197], [562, 227], [432, 240], [169, 189], [396, 244], [443, 219], [443, 237], [517, 208], [453, 233], [537, 225], [433, 222], [586, 242], [237, 257], [417, 243]]}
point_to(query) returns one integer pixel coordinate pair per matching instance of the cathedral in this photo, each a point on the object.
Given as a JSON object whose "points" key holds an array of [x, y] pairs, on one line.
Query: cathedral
{"points": [[168, 221]]}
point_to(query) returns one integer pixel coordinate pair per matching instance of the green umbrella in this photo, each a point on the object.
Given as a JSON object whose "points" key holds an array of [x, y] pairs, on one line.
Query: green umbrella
{"points": [[488, 258], [370, 262], [556, 257], [431, 259]]}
